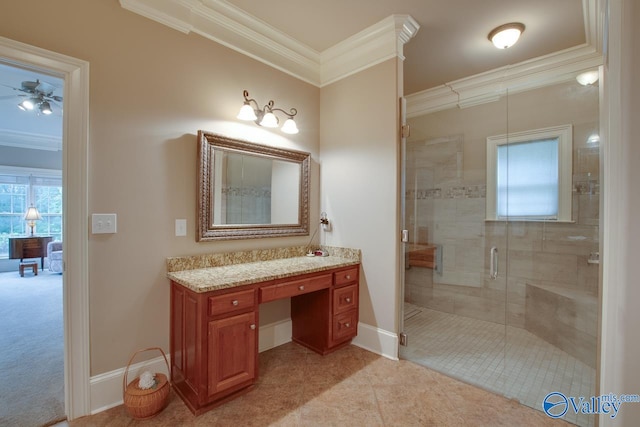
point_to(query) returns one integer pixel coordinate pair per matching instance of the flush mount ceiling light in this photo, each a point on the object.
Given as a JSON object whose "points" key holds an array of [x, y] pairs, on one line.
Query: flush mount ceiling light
{"points": [[587, 78], [506, 35], [265, 116]]}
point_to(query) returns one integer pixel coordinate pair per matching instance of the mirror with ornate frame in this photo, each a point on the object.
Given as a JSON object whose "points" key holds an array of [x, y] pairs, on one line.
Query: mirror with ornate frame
{"points": [[248, 190]]}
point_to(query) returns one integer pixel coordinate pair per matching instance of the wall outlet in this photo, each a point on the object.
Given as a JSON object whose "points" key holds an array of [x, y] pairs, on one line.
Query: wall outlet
{"points": [[104, 223], [181, 227]]}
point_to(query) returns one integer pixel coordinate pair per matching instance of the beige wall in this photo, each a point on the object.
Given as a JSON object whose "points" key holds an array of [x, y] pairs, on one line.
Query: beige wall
{"points": [[359, 181], [151, 89]]}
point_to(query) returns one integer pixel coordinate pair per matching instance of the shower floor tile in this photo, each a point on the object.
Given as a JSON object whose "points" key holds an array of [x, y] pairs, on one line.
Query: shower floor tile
{"points": [[524, 367]]}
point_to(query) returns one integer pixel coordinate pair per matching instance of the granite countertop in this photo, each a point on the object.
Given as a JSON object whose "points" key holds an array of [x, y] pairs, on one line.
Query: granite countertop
{"points": [[229, 276]]}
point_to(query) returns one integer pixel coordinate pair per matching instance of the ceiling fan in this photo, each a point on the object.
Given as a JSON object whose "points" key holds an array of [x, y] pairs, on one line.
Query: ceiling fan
{"points": [[37, 96]]}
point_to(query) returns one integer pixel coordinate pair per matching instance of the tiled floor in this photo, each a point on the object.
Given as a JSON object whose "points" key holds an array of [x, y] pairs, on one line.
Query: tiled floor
{"points": [[527, 369], [351, 387]]}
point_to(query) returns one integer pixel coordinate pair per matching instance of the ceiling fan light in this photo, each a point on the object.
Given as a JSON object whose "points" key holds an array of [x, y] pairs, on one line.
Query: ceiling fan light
{"points": [[290, 127], [20, 106], [28, 104], [506, 35], [269, 120], [45, 108]]}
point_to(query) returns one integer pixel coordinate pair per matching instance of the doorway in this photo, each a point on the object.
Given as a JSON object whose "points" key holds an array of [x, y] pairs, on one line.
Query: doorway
{"points": [[75, 74], [31, 106]]}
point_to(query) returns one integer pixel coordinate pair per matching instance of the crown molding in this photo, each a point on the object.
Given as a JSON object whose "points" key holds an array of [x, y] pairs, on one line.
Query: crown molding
{"points": [[230, 26], [538, 72], [375, 44], [12, 138], [492, 85]]}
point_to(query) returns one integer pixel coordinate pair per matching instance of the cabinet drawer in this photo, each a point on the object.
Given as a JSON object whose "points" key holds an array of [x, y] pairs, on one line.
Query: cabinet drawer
{"points": [[345, 326], [295, 287], [346, 276], [228, 303], [345, 299]]}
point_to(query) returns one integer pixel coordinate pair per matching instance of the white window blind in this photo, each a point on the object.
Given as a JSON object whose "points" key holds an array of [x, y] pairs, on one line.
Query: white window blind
{"points": [[527, 180], [529, 175]]}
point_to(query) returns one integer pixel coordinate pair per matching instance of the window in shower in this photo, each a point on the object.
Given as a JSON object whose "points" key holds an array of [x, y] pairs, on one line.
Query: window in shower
{"points": [[529, 175]]}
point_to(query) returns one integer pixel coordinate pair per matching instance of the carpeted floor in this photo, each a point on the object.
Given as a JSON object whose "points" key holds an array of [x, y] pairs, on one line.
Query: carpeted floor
{"points": [[31, 349]]}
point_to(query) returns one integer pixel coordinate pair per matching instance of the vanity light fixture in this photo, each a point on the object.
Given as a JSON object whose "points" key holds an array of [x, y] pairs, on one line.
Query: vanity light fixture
{"points": [[265, 116], [506, 35], [587, 78]]}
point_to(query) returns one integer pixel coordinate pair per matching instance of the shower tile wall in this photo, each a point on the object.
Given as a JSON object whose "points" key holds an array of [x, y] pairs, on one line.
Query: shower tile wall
{"points": [[548, 268]]}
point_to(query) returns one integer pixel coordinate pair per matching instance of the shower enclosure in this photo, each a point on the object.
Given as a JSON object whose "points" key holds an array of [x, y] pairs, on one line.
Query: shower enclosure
{"points": [[501, 268]]}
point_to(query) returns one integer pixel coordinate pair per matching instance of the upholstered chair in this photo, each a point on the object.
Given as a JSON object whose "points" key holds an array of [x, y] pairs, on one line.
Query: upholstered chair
{"points": [[54, 255]]}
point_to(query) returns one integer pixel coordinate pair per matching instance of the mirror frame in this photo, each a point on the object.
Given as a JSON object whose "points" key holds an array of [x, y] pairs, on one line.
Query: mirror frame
{"points": [[207, 142]]}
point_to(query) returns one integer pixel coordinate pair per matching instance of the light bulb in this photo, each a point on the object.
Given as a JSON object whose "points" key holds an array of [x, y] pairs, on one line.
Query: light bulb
{"points": [[269, 120], [45, 108], [290, 127], [247, 113], [28, 104]]}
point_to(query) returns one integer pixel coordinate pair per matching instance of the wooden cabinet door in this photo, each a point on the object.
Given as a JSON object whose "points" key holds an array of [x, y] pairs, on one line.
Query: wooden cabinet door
{"points": [[232, 352]]}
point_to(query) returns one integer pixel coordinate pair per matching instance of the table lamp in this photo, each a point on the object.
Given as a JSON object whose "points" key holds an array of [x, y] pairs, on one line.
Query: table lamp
{"points": [[31, 217]]}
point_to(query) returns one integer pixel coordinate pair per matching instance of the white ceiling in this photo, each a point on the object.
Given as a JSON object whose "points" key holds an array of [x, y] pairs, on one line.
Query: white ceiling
{"points": [[452, 40]]}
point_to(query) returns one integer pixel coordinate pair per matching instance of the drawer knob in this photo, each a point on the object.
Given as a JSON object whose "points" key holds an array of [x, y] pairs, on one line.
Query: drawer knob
{"points": [[301, 287], [253, 326], [234, 302], [348, 277], [347, 299], [346, 325]]}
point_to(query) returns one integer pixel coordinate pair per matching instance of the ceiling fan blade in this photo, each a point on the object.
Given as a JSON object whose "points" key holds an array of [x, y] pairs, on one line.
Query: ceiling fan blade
{"points": [[52, 98], [7, 97], [11, 87]]}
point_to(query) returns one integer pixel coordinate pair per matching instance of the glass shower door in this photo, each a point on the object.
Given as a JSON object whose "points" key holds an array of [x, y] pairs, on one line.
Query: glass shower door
{"points": [[552, 265], [454, 311]]}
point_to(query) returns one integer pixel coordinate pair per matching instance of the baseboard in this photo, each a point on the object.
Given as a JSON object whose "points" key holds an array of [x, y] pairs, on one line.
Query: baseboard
{"points": [[377, 341], [106, 389], [274, 334]]}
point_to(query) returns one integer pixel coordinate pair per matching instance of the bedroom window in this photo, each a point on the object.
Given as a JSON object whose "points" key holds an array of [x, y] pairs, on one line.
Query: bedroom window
{"points": [[19, 189], [529, 175]]}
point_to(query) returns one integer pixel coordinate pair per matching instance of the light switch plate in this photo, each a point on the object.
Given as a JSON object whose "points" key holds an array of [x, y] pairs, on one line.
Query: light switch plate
{"points": [[103, 223], [181, 227]]}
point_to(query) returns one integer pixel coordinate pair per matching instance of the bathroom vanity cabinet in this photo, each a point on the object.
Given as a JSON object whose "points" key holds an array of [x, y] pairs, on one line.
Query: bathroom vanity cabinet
{"points": [[214, 333]]}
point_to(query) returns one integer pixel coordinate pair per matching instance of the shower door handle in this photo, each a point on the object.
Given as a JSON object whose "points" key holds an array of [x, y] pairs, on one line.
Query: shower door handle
{"points": [[493, 261]]}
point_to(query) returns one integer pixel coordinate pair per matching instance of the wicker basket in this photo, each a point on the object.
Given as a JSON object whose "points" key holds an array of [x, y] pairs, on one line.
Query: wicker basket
{"points": [[143, 404]]}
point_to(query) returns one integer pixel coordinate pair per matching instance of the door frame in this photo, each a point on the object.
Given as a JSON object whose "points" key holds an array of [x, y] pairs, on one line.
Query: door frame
{"points": [[75, 142]]}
